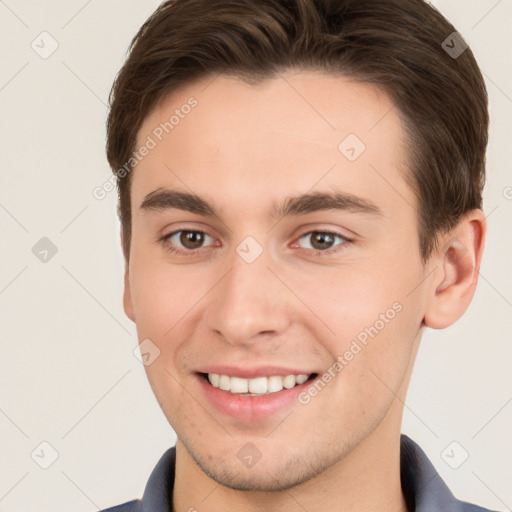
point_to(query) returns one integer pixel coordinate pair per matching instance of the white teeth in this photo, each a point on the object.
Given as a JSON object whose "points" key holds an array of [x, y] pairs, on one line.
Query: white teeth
{"points": [[224, 382], [275, 383], [289, 381], [214, 379], [301, 379], [256, 386], [239, 385]]}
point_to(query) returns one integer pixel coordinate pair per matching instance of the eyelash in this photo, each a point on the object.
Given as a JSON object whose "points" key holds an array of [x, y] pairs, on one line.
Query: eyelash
{"points": [[310, 252]]}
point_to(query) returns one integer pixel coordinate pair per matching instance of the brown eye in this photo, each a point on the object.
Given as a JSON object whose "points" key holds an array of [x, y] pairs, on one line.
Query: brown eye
{"points": [[187, 240], [322, 240], [191, 239]]}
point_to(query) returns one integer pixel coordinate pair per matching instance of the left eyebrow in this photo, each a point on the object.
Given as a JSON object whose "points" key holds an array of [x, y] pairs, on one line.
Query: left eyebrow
{"points": [[163, 199], [319, 201]]}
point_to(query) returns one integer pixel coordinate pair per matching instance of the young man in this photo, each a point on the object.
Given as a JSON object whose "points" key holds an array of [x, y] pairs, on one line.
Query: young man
{"points": [[300, 188]]}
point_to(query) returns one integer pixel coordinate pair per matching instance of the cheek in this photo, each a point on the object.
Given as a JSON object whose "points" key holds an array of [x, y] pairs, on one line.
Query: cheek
{"points": [[368, 322], [167, 305], [348, 300], [162, 296]]}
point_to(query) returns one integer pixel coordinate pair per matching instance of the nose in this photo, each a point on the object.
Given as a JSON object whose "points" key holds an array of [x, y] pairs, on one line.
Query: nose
{"points": [[250, 303]]}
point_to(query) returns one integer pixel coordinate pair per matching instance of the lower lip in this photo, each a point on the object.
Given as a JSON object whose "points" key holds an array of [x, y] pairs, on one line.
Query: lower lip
{"points": [[251, 408]]}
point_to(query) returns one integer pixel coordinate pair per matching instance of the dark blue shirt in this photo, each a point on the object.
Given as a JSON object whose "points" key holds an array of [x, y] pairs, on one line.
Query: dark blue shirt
{"points": [[423, 488]]}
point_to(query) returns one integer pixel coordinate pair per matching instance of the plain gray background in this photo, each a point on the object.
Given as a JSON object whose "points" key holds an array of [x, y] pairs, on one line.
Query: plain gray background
{"points": [[68, 374]]}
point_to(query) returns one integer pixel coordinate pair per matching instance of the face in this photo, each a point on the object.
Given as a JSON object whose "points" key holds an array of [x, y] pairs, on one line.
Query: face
{"points": [[274, 235]]}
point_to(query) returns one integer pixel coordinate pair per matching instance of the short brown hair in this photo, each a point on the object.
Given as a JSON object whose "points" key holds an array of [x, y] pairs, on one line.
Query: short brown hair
{"points": [[396, 44]]}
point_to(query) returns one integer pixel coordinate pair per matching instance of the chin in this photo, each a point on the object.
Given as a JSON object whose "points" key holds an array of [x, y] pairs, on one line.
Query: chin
{"points": [[277, 473], [254, 479]]}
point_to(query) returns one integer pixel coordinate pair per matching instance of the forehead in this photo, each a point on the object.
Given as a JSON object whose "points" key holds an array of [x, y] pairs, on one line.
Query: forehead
{"points": [[292, 131]]}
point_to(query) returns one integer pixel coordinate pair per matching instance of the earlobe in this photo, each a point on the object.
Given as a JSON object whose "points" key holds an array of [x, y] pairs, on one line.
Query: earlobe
{"points": [[455, 274]]}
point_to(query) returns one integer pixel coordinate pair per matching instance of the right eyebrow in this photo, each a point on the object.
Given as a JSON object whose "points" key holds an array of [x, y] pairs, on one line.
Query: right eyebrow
{"points": [[164, 199]]}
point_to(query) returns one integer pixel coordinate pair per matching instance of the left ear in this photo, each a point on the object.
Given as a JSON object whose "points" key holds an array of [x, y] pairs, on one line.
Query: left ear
{"points": [[456, 263]]}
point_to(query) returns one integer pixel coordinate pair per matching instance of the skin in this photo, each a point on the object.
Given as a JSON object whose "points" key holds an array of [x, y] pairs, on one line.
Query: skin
{"points": [[242, 148]]}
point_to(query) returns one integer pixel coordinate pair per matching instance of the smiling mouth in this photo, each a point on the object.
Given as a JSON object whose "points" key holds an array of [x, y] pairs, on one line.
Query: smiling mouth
{"points": [[256, 386]]}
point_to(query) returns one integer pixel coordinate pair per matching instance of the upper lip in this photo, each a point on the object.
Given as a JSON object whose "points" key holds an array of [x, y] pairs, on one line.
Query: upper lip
{"points": [[253, 372]]}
